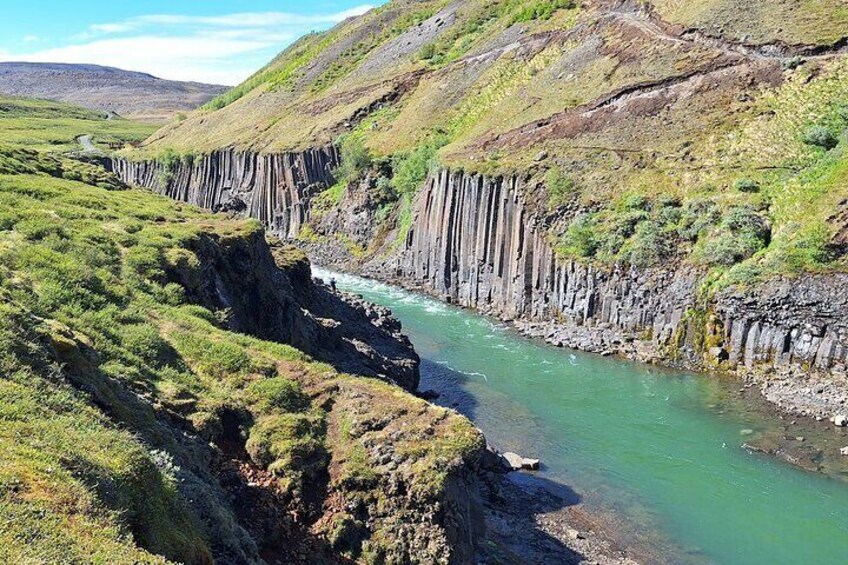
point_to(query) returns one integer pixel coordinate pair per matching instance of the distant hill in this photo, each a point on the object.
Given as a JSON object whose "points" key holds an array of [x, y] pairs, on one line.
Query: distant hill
{"points": [[127, 93]]}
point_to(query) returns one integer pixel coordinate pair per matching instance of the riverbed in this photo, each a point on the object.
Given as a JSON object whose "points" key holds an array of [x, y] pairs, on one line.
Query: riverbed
{"points": [[659, 453]]}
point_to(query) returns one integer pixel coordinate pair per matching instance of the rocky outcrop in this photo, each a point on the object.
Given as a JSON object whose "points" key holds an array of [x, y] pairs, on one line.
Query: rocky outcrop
{"points": [[475, 241], [801, 322], [273, 188], [266, 290]]}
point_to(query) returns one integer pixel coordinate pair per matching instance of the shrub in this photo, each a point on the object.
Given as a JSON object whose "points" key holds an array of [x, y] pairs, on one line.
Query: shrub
{"points": [[169, 160], [541, 10], [698, 217], [650, 245], [412, 167], [820, 136], [427, 52], [579, 239], [278, 393], [560, 187], [746, 185], [741, 234], [635, 202], [355, 157]]}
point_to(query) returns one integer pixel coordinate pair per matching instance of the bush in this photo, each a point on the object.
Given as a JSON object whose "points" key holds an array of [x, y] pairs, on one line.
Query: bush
{"points": [[355, 156], [746, 185], [169, 160], [650, 245], [579, 239], [541, 10], [635, 202], [427, 52], [741, 234], [820, 136], [412, 167], [560, 187], [278, 393], [698, 217]]}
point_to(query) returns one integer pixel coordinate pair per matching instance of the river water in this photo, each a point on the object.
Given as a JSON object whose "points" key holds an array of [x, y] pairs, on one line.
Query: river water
{"points": [[658, 450]]}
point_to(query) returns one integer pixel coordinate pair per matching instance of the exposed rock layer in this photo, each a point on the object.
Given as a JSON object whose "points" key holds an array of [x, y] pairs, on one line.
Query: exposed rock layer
{"points": [[476, 241], [273, 188]]}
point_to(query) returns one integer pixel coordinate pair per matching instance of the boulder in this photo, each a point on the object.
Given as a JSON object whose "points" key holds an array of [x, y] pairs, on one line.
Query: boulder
{"points": [[719, 353], [844, 451], [840, 420], [517, 462], [514, 460], [530, 464]]}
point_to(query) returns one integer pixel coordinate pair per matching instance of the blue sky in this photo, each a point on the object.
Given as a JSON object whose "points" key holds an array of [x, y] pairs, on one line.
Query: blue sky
{"points": [[220, 41]]}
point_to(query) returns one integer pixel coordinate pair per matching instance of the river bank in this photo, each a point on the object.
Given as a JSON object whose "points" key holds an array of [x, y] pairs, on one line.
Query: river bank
{"points": [[673, 457]]}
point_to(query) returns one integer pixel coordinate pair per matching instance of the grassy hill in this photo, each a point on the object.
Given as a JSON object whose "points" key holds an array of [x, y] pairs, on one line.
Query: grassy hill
{"points": [[653, 131], [136, 426], [129, 94]]}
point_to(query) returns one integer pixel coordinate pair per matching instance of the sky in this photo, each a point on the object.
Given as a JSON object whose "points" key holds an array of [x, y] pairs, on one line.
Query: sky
{"points": [[216, 41]]}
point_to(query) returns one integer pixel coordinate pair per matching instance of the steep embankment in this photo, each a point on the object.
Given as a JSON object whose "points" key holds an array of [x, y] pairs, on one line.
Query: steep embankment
{"points": [[126, 93], [172, 389], [639, 178]]}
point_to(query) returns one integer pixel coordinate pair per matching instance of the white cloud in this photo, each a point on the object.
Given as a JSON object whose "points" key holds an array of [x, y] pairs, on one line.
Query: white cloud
{"points": [[218, 49], [250, 19]]}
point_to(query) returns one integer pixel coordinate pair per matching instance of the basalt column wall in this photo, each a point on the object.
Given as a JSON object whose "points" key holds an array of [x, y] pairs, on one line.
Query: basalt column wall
{"points": [[273, 188]]}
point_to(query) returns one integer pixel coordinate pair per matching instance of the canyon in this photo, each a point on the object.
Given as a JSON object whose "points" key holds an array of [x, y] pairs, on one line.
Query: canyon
{"points": [[476, 242]]}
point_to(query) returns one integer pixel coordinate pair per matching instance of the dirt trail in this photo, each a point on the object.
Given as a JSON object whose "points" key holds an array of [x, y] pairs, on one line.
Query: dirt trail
{"points": [[87, 145]]}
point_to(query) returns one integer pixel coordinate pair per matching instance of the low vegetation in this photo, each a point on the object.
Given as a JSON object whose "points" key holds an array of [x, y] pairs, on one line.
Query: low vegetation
{"points": [[118, 389]]}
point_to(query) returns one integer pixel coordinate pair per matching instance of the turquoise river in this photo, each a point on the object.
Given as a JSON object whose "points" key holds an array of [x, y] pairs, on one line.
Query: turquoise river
{"points": [[659, 450]]}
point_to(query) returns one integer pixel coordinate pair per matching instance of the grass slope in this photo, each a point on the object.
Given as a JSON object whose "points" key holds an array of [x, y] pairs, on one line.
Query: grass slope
{"points": [[112, 385]]}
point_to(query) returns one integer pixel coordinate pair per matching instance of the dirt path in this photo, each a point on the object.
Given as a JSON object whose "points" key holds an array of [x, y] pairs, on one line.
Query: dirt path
{"points": [[87, 145]]}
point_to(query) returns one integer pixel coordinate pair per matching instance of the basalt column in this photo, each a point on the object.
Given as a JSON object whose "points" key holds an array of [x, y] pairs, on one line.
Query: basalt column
{"points": [[273, 188]]}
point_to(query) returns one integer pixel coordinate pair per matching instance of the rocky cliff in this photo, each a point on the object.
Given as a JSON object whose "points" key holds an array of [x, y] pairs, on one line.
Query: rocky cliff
{"points": [[479, 242], [273, 188], [475, 241]]}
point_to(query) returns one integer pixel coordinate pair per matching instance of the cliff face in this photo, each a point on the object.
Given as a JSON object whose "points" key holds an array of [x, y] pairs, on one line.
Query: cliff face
{"points": [[273, 188], [477, 242], [267, 291]]}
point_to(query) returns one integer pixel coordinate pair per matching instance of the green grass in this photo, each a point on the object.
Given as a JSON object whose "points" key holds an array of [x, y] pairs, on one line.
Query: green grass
{"points": [[53, 126], [108, 371]]}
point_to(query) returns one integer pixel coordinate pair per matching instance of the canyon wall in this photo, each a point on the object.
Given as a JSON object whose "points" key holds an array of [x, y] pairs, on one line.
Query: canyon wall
{"points": [[273, 188], [476, 242]]}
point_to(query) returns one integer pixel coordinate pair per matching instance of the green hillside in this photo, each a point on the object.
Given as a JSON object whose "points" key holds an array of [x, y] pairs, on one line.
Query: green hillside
{"points": [[710, 132], [129, 408]]}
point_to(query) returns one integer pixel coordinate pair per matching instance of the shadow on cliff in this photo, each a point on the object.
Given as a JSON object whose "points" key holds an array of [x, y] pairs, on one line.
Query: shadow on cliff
{"points": [[449, 384], [528, 521]]}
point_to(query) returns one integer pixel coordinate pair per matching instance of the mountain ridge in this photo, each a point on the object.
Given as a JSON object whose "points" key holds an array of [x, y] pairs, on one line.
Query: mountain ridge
{"points": [[130, 94]]}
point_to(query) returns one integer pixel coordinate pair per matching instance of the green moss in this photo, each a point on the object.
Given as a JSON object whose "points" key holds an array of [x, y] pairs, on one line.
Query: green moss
{"points": [[277, 394]]}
